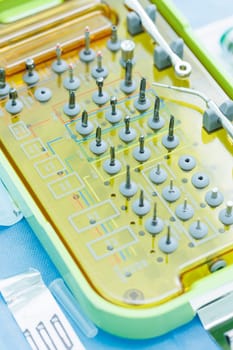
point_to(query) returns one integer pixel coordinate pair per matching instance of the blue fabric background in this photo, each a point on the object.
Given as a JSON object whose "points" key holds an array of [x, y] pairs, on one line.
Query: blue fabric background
{"points": [[202, 12], [20, 249]]}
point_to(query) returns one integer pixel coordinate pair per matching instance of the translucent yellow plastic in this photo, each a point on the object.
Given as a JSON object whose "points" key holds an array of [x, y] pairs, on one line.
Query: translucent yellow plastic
{"points": [[37, 36], [108, 242]]}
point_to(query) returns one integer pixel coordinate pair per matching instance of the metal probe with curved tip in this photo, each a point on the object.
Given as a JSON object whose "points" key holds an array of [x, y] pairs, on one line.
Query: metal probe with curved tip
{"points": [[182, 68], [226, 124]]}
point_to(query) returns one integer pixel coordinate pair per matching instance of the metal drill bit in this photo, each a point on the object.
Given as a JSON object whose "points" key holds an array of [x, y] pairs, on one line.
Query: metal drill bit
{"points": [[100, 97], [112, 156], [30, 65], [141, 144], [226, 214], [141, 153], [141, 199], [170, 136], [214, 193], [13, 95], [198, 227], [71, 108], [31, 76], [71, 103], [128, 180], [185, 204], [59, 66], [142, 103], [112, 166], [98, 136], [168, 237], [229, 208], [171, 186], [127, 125], [113, 102], [154, 218], [158, 169], [84, 119], [156, 109], [142, 91], [127, 51], [114, 36], [170, 141], [13, 105], [99, 61], [58, 53], [87, 40], [100, 83], [2, 78], [98, 146], [128, 188], [114, 44], [128, 73], [71, 73]]}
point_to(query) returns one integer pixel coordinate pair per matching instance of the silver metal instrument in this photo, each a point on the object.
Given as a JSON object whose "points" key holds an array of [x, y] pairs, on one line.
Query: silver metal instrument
{"points": [[182, 68]]}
